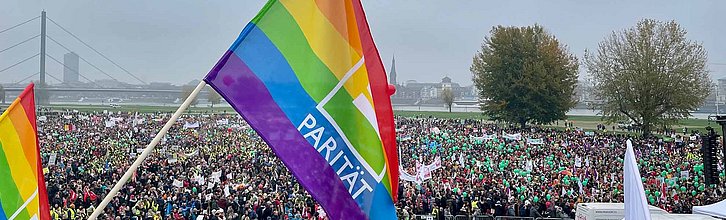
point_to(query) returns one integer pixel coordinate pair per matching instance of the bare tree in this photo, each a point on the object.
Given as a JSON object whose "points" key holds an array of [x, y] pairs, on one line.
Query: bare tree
{"points": [[448, 97], [186, 92], [213, 97], [650, 74]]}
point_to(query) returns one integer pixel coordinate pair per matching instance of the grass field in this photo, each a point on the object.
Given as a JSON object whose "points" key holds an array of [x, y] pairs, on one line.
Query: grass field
{"points": [[585, 122]]}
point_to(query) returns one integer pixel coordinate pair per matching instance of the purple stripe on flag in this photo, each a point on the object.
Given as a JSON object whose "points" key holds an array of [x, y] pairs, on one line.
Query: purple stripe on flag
{"points": [[248, 95]]}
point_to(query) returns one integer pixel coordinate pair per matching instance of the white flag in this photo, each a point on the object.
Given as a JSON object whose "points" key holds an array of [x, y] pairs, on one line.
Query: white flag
{"points": [[636, 206]]}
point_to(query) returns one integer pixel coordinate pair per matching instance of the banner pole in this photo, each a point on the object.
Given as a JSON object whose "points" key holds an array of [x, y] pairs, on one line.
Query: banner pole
{"points": [[147, 151]]}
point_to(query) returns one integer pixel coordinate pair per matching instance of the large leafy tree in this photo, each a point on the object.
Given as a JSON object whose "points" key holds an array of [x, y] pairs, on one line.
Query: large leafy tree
{"points": [[525, 75], [650, 74]]}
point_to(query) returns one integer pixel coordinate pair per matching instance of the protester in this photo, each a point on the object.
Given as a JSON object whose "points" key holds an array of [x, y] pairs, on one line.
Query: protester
{"points": [[214, 166]]}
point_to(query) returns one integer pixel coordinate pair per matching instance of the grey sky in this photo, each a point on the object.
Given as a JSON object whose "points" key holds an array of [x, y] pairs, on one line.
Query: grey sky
{"points": [[179, 41]]}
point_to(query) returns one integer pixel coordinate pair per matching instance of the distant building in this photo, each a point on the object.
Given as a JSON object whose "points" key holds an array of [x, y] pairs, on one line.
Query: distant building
{"points": [[719, 93], [70, 69], [412, 92], [584, 92]]}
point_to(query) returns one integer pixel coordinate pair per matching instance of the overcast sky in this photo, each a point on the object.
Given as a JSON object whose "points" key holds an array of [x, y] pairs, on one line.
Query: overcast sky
{"points": [[179, 41]]}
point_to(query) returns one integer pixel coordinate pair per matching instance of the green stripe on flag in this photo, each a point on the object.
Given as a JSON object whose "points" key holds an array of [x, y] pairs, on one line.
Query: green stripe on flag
{"points": [[281, 28], [358, 130], [9, 194]]}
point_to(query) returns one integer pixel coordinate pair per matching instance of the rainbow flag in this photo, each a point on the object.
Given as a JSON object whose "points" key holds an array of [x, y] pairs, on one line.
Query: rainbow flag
{"points": [[307, 77], [22, 186]]}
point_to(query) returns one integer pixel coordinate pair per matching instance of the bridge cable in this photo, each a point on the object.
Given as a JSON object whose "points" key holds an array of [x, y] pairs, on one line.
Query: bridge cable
{"points": [[84, 60], [11, 47], [17, 25], [99, 53], [19, 81], [18, 63], [61, 63], [51, 76]]}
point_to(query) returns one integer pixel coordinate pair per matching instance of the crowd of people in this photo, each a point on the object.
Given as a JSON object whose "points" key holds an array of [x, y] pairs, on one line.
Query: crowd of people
{"points": [[206, 167], [213, 166], [536, 172]]}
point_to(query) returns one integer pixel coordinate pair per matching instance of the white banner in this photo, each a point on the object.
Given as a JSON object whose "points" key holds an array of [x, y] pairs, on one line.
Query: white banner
{"points": [[534, 141], [178, 183], [423, 172], [516, 136], [191, 124], [215, 176], [52, 159], [578, 161], [405, 176], [192, 154], [110, 124]]}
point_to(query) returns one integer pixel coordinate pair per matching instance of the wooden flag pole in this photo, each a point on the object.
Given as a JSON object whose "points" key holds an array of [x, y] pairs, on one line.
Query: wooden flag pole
{"points": [[147, 151]]}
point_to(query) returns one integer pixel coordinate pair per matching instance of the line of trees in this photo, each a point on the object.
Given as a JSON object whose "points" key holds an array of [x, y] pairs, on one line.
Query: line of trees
{"points": [[650, 74], [212, 96]]}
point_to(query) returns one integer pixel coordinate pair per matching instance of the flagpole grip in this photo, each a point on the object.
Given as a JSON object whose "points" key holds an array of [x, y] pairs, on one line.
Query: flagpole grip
{"points": [[149, 148]]}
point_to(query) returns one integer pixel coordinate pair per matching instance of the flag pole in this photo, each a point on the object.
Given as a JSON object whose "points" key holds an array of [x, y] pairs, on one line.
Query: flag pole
{"points": [[147, 151]]}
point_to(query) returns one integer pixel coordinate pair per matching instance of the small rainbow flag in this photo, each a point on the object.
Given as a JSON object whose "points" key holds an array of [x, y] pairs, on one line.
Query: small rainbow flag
{"points": [[22, 186], [306, 75]]}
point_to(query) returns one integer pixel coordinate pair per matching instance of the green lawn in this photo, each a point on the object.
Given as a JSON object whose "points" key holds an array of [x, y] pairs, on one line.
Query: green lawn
{"points": [[465, 115], [138, 108], [585, 122]]}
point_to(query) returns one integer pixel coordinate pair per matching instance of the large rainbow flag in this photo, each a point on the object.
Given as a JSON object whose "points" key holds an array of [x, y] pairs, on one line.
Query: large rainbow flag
{"points": [[306, 75], [22, 186]]}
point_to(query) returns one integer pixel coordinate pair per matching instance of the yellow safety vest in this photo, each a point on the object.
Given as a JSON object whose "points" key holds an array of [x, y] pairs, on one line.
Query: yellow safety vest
{"points": [[73, 213], [54, 214]]}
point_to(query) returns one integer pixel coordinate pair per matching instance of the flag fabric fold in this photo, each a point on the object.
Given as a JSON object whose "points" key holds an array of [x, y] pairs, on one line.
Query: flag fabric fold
{"points": [[307, 77], [22, 186], [636, 206]]}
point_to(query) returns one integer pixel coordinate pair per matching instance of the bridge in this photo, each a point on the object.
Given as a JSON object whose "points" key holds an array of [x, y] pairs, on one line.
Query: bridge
{"points": [[70, 82], [104, 90]]}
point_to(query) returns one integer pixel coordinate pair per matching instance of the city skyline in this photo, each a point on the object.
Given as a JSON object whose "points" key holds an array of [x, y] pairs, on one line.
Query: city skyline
{"points": [[179, 43]]}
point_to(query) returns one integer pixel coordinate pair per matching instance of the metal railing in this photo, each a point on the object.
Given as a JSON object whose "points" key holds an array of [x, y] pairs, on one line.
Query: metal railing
{"points": [[451, 217], [423, 217], [482, 217], [512, 218], [461, 217], [563, 218]]}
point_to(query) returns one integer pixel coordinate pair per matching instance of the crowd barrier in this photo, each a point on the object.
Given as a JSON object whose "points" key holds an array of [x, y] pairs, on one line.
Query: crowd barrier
{"points": [[423, 217], [451, 217], [512, 218], [553, 219], [482, 217]]}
